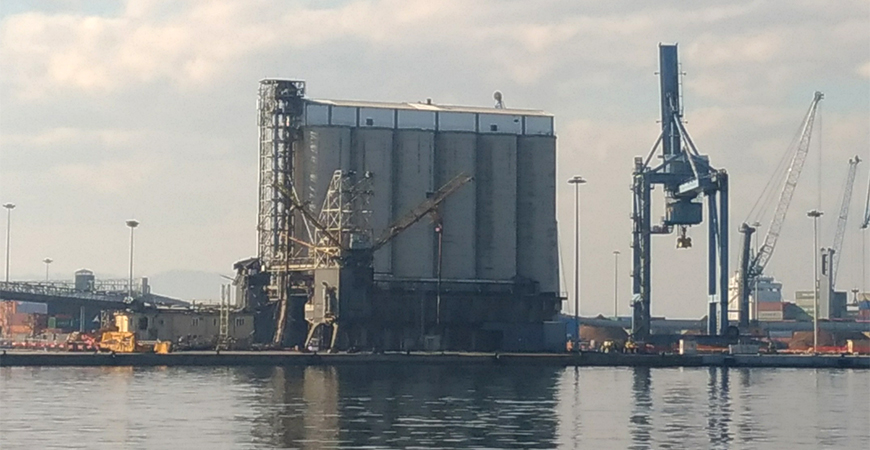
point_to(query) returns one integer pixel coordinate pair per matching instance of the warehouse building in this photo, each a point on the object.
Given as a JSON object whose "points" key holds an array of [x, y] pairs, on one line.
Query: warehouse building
{"points": [[497, 257]]}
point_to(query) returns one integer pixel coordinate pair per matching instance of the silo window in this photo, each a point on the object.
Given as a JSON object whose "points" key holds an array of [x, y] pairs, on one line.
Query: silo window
{"points": [[493, 127], [370, 121]]}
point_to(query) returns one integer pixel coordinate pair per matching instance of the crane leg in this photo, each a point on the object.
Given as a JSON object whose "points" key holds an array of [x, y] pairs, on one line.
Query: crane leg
{"points": [[712, 230], [723, 253]]}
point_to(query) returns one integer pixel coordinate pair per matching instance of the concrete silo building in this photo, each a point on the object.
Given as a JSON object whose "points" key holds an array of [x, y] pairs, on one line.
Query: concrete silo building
{"points": [[498, 285]]}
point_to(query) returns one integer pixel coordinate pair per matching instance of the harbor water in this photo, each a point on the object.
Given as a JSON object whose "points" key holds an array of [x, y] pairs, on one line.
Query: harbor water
{"points": [[421, 406]]}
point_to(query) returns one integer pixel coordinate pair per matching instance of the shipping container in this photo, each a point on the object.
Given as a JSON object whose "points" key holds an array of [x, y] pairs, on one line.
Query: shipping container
{"points": [[769, 306], [861, 346], [770, 316]]}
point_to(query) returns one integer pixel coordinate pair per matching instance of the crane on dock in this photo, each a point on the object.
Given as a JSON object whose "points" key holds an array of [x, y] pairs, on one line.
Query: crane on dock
{"points": [[752, 265], [343, 248], [843, 217], [686, 176], [866, 222]]}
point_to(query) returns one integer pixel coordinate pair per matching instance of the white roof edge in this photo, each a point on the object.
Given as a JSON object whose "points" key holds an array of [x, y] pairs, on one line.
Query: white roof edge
{"points": [[431, 107]]}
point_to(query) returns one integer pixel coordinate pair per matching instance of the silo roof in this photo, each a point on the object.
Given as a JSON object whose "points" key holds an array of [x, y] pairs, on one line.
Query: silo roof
{"points": [[421, 106]]}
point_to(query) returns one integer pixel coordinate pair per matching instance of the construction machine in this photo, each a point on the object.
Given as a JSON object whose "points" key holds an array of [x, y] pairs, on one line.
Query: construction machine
{"points": [[752, 265], [843, 217], [866, 221]]}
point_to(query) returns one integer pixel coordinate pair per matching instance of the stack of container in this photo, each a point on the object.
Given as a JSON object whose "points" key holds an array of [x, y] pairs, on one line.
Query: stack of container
{"points": [[770, 311]]}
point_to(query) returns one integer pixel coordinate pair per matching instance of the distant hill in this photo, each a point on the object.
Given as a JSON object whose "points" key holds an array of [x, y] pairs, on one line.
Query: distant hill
{"points": [[188, 285]]}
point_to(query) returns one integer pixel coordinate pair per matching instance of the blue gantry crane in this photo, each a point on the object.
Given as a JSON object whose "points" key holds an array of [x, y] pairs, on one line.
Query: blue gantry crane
{"points": [[686, 176]]}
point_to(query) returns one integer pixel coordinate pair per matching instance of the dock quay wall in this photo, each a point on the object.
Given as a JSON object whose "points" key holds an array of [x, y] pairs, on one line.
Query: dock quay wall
{"points": [[269, 358]]}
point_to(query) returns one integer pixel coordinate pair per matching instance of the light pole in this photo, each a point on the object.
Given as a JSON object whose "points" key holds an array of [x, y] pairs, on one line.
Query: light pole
{"points": [[132, 224], [47, 261], [9, 207], [577, 181], [815, 214], [616, 284]]}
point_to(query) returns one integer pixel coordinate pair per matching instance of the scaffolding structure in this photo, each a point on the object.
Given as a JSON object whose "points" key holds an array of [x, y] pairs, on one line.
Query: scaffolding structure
{"points": [[345, 216], [280, 107]]}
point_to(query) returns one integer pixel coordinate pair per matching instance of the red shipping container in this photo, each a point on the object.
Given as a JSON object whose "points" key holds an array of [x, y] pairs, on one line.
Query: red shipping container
{"points": [[769, 306]]}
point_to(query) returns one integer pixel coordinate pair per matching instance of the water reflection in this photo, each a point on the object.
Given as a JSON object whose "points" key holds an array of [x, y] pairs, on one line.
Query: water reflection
{"points": [[639, 421], [432, 407], [397, 406]]}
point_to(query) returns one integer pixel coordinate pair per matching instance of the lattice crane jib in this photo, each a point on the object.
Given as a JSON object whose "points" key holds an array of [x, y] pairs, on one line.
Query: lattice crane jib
{"points": [[843, 216], [792, 176], [866, 222], [752, 266]]}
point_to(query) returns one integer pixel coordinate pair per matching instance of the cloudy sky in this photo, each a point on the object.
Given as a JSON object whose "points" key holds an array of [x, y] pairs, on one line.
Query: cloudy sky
{"points": [[112, 110]]}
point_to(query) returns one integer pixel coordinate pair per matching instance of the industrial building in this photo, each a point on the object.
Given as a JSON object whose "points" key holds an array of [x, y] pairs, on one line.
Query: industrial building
{"points": [[187, 328], [479, 271]]}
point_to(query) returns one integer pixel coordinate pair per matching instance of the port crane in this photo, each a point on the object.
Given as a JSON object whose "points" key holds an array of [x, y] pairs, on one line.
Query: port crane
{"points": [[866, 222], [752, 265], [686, 176], [343, 249], [843, 217]]}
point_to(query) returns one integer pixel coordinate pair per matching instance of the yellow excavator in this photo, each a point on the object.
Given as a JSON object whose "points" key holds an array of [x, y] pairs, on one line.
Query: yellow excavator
{"points": [[126, 342]]}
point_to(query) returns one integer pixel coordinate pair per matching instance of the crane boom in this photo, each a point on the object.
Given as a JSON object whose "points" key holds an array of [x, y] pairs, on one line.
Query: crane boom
{"points": [[791, 179], [421, 210], [866, 222], [843, 217]]}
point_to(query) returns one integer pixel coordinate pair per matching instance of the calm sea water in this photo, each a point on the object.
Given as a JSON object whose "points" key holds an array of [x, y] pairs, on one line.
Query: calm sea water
{"points": [[432, 407]]}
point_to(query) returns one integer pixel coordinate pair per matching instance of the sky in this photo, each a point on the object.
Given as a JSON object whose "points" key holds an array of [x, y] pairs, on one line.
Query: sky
{"points": [[147, 110]]}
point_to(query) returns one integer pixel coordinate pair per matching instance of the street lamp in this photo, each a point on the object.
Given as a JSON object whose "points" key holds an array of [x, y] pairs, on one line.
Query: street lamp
{"points": [[616, 284], [815, 214], [577, 181], [47, 261], [9, 207], [132, 224]]}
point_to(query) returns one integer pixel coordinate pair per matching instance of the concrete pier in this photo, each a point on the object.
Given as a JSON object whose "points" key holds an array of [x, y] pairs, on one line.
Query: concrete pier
{"points": [[278, 358]]}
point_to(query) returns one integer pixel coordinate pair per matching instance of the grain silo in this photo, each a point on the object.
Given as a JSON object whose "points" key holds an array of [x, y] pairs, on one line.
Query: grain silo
{"points": [[498, 264]]}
